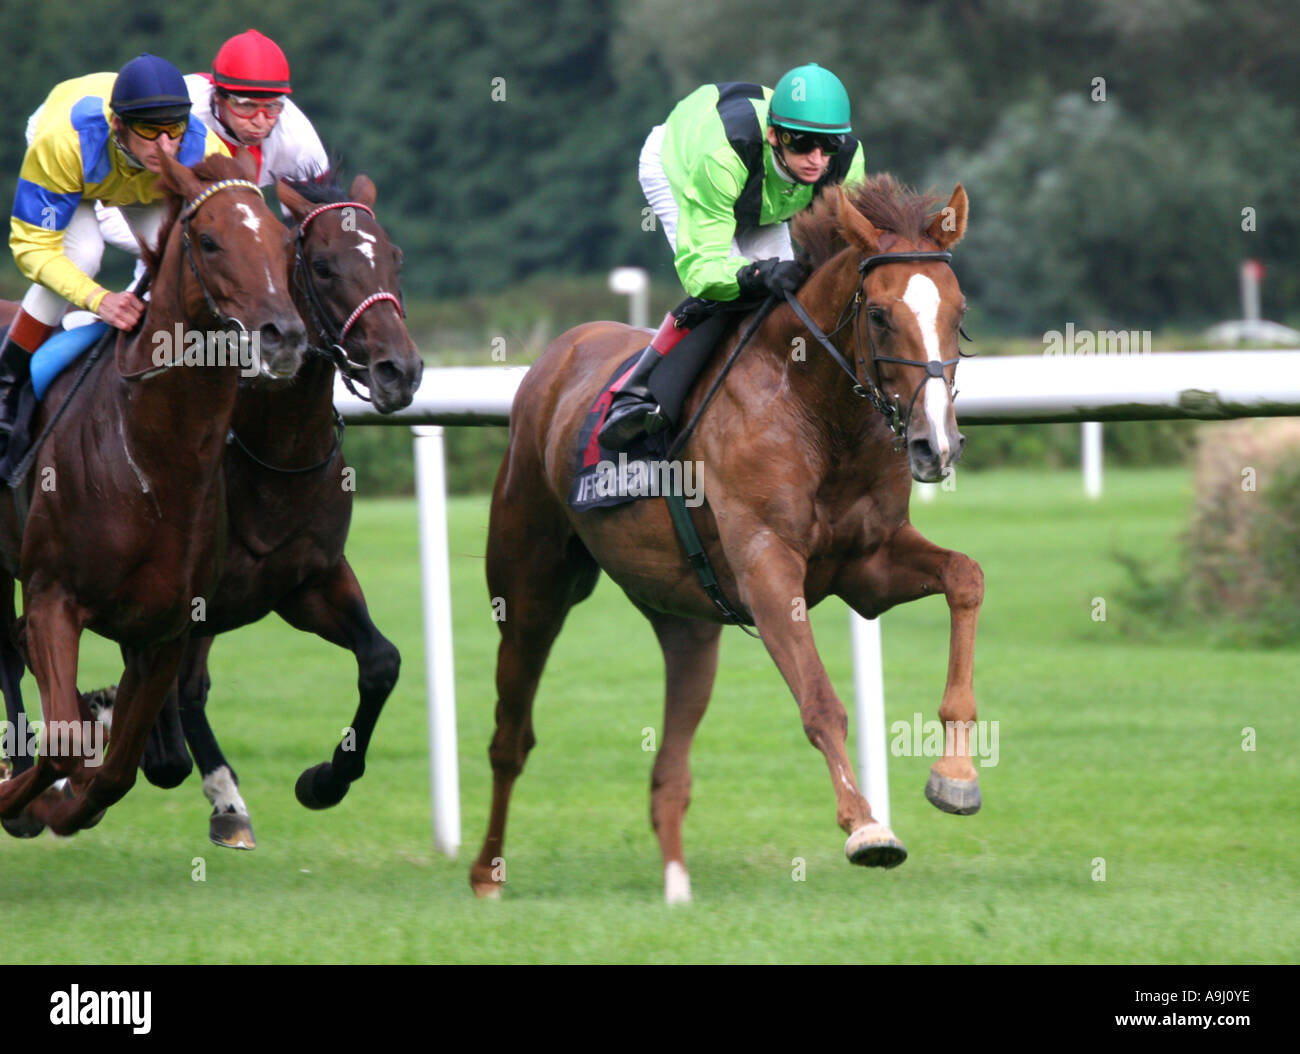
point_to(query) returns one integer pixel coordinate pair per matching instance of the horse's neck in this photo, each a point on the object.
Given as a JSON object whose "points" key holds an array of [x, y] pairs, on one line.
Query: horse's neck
{"points": [[188, 406], [813, 384], [291, 422]]}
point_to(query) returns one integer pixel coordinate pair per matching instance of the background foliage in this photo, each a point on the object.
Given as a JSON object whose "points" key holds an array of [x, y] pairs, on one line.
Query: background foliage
{"points": [[1118, 212]]}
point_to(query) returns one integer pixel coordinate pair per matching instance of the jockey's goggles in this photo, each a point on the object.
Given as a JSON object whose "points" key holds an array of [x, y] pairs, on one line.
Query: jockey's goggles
{"points": [[807, 142], [248, 106], [149, 130]]}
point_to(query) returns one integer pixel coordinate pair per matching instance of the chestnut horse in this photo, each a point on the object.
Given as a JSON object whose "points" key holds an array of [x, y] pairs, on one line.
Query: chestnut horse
{"points": [[289, 497], [806, 497], [130, 535]]}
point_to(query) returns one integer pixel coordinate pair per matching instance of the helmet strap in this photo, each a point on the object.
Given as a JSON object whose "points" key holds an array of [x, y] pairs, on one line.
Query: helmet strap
{"points": [[231, 134], [778, 155], [120, 143]]}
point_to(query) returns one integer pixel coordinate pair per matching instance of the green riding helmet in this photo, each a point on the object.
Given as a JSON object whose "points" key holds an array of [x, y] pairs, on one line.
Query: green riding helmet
{"points": [[810, 99]]}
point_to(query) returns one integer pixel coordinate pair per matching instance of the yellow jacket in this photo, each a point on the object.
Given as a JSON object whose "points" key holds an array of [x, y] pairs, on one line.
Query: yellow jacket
{"points": [[72, 157]]}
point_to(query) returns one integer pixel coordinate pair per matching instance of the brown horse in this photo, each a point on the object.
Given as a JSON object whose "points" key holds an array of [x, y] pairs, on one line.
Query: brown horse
{"points": [[125, 534], [806, 497], [289, 497]]}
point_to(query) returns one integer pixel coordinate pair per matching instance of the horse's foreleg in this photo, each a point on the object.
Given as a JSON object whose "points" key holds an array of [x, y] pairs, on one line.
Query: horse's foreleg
{"points": [[148, 675], [690, 652], [536, 572], [229, 825], [333, 606], [907, 567], [166, 761], [53, 631], [771, 577]]}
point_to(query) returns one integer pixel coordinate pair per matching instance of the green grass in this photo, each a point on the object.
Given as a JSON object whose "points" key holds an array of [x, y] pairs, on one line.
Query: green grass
{"points": [[1128, 752]]}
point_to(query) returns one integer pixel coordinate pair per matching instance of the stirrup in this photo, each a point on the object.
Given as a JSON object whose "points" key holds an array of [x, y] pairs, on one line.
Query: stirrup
{"points": [[636, 417]]}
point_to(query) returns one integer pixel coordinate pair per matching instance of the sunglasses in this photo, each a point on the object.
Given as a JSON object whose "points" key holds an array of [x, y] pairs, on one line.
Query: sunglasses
{"points": [[244, 106], [807, 142], [149, 131]]}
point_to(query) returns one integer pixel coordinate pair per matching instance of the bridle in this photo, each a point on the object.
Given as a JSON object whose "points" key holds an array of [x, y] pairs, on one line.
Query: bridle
{"points": [[224, 321], [349, 370], [863, 384]]}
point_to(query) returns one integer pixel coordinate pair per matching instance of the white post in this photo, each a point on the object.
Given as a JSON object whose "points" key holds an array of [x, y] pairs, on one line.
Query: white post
{"points": [[869, 687], [1252, 273], [1092, 459], [440, 679], [633, 282]]}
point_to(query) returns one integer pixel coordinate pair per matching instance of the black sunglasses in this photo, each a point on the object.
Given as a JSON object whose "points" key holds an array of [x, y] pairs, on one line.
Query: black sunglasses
{"points": [[807, 142]]}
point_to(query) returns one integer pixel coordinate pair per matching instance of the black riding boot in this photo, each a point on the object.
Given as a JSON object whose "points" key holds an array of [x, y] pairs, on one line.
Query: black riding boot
{"points": [[15, 368], [652, 397]]}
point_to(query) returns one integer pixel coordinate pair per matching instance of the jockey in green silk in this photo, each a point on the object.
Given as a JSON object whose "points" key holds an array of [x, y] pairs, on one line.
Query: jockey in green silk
{"points": [[724, 173]]}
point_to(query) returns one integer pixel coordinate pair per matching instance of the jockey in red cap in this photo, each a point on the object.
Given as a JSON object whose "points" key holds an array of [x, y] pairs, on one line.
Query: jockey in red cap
{"points": [[245, 100]]}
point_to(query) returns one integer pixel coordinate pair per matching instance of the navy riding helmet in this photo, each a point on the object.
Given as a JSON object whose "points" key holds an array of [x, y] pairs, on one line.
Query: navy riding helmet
{"points": [[150, 89]]}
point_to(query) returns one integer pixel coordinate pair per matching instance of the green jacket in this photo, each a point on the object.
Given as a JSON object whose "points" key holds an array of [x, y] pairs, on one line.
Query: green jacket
{"points": [[707, 177]]}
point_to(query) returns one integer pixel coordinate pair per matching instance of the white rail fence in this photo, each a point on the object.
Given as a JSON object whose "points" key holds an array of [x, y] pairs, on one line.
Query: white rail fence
{"points": [[1006, 390]]}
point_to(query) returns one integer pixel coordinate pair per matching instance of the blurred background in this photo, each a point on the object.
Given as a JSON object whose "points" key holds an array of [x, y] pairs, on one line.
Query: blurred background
{"points": [[1122, 156]]}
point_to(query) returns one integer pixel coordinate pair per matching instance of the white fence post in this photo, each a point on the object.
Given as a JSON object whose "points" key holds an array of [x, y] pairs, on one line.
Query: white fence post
{"points": [[869, 689], [439, 671]]}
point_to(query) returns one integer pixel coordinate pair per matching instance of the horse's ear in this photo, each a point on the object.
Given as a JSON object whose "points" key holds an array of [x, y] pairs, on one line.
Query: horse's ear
{"points": [[247, 164], [948, 227], [177, 178], [297, 205], [856, 228], [363, 190]]}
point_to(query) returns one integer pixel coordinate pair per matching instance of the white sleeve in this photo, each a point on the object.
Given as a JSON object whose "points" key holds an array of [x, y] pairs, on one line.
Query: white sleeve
{"points": [[300, 153]]}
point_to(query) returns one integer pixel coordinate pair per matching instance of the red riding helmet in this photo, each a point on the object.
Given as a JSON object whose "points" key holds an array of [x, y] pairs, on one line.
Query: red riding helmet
{"points": [[251, 63]]}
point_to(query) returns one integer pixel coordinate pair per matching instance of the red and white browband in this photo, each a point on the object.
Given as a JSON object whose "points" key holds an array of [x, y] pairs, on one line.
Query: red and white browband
{"points": [[369, 301]]}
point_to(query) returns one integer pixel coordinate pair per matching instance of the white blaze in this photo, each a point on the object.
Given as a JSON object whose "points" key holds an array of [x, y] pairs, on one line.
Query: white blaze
{"points": [[366, 248], [250, 221], [922, 296]]}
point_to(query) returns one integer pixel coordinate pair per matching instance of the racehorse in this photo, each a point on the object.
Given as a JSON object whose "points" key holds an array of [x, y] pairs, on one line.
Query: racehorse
{"points": [[128, 535], [289, 498], [806, 496]]}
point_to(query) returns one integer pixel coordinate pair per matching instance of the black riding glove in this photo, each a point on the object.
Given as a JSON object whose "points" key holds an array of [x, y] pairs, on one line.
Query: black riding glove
{"points": [[774, 276]]}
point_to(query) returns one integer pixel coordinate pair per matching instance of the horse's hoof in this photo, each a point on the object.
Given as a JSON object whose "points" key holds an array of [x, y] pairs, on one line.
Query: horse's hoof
{"points": [[677, 884], [232, 830], [318, 788], [167, 774], [874, 845], [487, 890], [960, 797], [23, 826]]}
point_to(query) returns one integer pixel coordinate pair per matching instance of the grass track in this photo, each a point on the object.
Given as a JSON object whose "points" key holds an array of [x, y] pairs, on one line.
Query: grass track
{"points": [[1109, 748]]}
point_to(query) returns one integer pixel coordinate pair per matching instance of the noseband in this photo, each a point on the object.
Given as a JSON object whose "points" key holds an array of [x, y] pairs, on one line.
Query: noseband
{"points": [[349, 370], [864, 386]]}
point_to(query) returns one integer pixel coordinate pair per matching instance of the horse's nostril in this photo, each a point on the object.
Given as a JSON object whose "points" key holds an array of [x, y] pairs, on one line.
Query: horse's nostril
{"points": [[385, 373], [271, 336]]}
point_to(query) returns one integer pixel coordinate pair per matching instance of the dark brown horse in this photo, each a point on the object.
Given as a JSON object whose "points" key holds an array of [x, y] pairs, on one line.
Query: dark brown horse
{"points": [[806, 497], [289, 497], [125, 533]]}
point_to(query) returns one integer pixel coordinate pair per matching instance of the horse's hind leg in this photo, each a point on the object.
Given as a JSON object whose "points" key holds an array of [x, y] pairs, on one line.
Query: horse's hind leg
{"points": [[332, 606], [905, 568], [690, 650], [18, 756], [536, 571]]}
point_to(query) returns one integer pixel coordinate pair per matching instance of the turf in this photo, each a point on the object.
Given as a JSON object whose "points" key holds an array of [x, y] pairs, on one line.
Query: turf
{"points": [[1123, 821]]}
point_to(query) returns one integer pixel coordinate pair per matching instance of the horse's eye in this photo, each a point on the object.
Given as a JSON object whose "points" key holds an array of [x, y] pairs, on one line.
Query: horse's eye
{"points": [[322, 268], [208, 244], [878, 315]]}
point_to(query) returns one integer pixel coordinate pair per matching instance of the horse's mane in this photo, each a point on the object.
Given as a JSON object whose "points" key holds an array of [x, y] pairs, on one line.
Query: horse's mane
{"points": [[211, 169], [887, 203], [318, 192]]}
